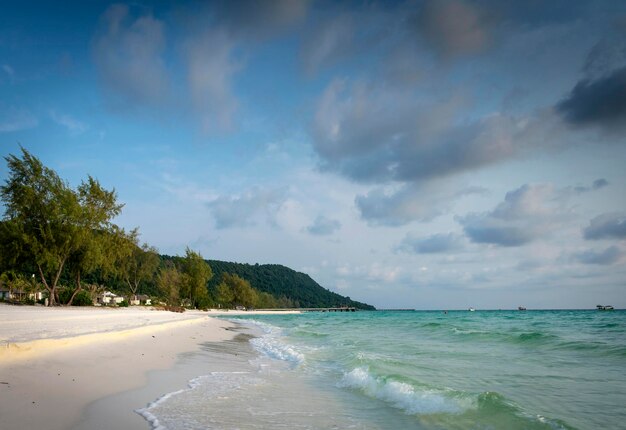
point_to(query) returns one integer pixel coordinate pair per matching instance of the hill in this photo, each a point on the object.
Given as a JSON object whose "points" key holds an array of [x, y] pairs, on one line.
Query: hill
{"points": [[281, 281]]}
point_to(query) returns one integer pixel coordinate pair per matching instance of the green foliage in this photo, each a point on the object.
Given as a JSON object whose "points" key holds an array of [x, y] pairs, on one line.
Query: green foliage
{"points": [[54, 226], [224, 295], [169, 282], [66, 237], [238, 290], [137, 263], [82, 298], [123, 304], [289, 288], [64, 295], [196, 275]]}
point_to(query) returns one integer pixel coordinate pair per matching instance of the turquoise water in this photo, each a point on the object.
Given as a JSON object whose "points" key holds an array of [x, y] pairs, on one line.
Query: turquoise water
{"points": [[430, 370]]}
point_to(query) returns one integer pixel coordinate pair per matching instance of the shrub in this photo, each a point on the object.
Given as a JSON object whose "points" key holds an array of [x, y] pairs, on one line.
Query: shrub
{"points": [[82, 298], [123, 304]]}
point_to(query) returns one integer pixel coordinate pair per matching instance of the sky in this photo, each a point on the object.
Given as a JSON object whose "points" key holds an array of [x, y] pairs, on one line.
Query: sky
{"points": [[410, 154]]}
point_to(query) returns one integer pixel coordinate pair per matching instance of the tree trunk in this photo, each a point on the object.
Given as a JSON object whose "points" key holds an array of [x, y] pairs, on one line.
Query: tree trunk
{"points": [[78, 288], [132, 286], [45, 284]]}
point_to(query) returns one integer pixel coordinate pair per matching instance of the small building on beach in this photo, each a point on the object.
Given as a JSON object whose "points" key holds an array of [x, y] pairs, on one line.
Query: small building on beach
{"points": [[108, 299], [140, 299]]}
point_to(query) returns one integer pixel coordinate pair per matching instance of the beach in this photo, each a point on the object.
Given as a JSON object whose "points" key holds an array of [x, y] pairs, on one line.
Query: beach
{"points": [[137, 368], [55, 362]]}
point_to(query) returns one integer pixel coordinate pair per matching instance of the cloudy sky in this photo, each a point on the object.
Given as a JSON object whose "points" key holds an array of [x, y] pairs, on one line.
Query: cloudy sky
{"points": [[424, 154]]}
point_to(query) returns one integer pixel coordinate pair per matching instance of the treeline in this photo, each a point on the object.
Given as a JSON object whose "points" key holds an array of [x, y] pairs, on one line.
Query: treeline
{"points": [[63, 241], [293, 289]]}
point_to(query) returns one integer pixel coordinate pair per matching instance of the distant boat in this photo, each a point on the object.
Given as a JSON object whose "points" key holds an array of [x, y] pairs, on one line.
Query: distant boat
{"points": [[604, 307], [472, 310], [521, 308]]}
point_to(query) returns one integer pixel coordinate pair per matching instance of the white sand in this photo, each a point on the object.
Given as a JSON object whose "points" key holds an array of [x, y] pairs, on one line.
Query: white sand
{"points": [[56, 361]]}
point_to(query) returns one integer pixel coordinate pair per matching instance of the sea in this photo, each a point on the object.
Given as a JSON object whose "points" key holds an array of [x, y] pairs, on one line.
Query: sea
{"points": [[535, 369]]}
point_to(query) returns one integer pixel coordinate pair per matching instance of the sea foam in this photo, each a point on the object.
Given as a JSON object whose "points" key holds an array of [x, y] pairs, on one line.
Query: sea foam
{"points": [[271, 346], [183, 406]]}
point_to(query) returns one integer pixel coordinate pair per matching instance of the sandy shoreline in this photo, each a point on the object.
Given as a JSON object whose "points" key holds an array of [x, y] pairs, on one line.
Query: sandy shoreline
{"points": [[56, 362]]}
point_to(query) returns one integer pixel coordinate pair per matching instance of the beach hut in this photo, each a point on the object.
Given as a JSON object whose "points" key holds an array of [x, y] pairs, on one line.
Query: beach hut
{"points": [[140, 299], [5, 294], [108, 298]]}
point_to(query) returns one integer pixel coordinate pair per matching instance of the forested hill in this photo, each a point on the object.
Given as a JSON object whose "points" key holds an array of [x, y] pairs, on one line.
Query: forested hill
{"points": [[281, 281]]}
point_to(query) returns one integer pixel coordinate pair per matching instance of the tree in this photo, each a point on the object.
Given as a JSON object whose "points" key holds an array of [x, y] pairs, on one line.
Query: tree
{"points": [[169, 281], [137, 263], [224, 294], [197, 274], [49, 218], [243, 294], [100, 238], [266, 301]]}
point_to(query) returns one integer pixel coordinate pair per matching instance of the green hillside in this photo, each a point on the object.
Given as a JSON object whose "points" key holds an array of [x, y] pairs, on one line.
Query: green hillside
{"points": [[281, 281]]}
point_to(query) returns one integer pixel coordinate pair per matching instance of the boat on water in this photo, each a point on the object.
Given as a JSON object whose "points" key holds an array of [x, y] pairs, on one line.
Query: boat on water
{"points": [[472, 310], [521, 308], [604, 307]]}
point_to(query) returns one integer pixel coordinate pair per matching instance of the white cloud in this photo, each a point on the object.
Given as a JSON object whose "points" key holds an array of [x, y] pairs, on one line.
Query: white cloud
{"points": [[8, 70], [16, 119], [245, 209], [211, 67], [73, 126]]}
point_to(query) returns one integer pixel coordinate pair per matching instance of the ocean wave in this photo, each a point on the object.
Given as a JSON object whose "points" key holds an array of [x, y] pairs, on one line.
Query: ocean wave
{"points": [[271, 346], [275, 349], [448, 408], [400, 394], [535, 337], [498, 412]]}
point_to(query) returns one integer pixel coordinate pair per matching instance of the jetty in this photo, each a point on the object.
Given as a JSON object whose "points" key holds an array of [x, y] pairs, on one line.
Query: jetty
{"points": [[337, 309]]}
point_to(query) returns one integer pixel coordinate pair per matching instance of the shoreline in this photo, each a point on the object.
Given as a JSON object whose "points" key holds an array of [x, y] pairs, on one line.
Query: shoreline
{"points": [[57, 362]]}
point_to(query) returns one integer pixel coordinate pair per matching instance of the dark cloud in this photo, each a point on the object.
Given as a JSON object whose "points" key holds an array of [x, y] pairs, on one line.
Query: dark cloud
{"points": [[525, 215], [241, 211], [453, 27], [436, 243], [128, 52], [400, 207], [259, 19], [596, 185], [608, 54], [371, 133], [323, 226], [485, 230], [599, 183], [606, 226], [598, 102], [610, 255]]}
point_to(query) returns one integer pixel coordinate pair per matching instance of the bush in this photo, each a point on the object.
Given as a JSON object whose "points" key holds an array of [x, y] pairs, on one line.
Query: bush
{"points": [[123, 304], [82, 298]]}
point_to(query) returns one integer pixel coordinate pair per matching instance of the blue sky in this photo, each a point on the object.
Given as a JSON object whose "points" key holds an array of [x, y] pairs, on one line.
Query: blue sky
{"points": [[426, 154]]}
